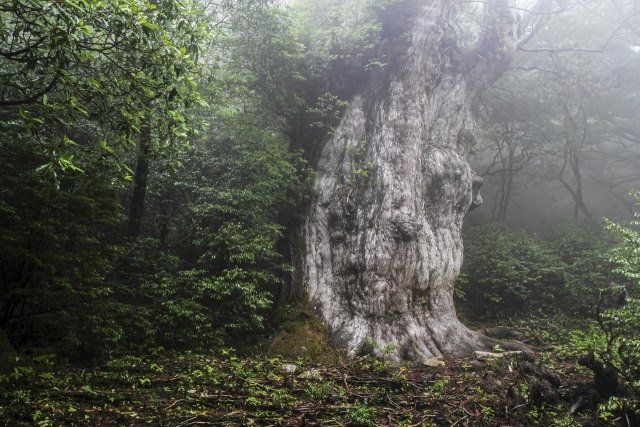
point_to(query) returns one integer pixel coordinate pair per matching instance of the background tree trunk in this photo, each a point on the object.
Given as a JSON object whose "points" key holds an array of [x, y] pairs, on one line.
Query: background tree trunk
{"points": [[136, 208], [7, 352], [383, 243]]}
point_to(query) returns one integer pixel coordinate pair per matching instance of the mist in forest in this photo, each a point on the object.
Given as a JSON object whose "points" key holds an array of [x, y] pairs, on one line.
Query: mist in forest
{"points": [[558, 136]]}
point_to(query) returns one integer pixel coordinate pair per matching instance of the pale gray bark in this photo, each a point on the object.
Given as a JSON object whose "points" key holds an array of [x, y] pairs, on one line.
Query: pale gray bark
{"points": [[383, 243]]}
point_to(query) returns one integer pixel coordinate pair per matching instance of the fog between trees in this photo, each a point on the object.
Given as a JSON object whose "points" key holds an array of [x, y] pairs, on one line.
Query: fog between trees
{"points": [[559, 131]]}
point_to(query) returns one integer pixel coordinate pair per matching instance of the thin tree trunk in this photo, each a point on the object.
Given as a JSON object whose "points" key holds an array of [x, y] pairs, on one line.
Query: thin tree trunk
{"points": [[577, 173], [383, 234], [164, 225], [571, 157], [509, 182], [7, 352], [136, 207]]}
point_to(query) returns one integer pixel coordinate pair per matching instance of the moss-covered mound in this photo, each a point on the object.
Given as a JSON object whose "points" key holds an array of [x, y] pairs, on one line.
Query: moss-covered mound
{"points": [[302, 335]]}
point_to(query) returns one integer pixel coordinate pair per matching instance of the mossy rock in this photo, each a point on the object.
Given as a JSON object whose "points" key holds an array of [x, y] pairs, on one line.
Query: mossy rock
{"points": [[302, 335]]}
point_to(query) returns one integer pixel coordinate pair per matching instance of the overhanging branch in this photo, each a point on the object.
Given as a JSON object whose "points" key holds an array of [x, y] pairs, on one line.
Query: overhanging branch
{"points": [[35, 96]]}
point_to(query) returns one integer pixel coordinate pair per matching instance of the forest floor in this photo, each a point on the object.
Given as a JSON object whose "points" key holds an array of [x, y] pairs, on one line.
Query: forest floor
{"points": [[187, 389]]}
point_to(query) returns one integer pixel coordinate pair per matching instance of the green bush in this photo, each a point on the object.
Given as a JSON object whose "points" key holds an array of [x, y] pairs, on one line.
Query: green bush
{"points": [[621, 322], [515, 274], [55, 251], [195, 311], [507, 274], [584, 249]]}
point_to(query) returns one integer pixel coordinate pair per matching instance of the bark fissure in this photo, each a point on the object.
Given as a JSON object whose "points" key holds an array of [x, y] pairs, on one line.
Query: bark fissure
{"points": [[383, 245]]}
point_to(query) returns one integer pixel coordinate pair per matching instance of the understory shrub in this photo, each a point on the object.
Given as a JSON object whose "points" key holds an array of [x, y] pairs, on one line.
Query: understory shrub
{"points": [[620, 319], [507, 273], [516, 274]]}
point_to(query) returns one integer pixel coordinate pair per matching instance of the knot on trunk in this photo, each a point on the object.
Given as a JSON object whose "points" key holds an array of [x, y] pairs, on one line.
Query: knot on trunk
{"points": [[405, 229], [476, 184]]}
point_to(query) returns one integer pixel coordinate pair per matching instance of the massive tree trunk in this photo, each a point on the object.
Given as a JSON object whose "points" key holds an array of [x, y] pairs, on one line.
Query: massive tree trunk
{"points": [[383, 243]]}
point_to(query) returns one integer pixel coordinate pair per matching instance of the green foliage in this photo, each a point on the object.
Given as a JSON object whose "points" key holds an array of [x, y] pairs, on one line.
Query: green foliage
{"points": [[54, 250], [507, 273], [196, 311], [354, 29], [89, 74], [621, 321], [438, 387], [80, 82], [583, 249], [326, 111], [214, 281], [354, 40], [97, 77], [240, 196], [266, 55], [575, 342], [516, 274], [361, 415], [376, 351], [320, 390]]}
